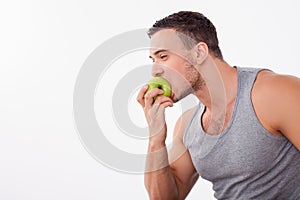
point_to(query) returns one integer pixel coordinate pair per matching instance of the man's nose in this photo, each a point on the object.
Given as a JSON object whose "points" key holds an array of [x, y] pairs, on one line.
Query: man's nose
{"points": [[157, 70]]}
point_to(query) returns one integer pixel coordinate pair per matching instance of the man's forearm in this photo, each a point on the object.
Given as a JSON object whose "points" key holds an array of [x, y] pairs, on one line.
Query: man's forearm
{"points": [[159, 180]]}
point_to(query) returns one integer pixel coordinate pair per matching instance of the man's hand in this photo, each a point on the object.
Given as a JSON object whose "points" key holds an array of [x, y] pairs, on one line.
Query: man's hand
{"points": [[155, 114]]}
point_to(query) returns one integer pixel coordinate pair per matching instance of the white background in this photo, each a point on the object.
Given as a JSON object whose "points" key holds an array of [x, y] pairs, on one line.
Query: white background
{"points": [[42, 47]]}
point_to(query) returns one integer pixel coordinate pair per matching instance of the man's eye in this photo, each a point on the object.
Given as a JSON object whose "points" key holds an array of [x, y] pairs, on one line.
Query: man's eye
{"points": [[163, 56]]}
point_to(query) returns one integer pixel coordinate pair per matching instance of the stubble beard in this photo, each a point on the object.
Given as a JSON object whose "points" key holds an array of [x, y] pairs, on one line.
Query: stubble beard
{"points": [[195, 82], [194, 78]]}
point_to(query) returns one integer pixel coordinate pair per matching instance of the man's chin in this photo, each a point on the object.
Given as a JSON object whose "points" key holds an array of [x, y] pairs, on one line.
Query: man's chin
{"points": [[176, 98], [173, 97]]}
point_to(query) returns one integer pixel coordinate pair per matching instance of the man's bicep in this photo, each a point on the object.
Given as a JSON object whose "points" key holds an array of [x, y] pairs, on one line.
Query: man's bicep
{"points": [[180, 160], [184, 174], [276, 100], [182, 168], [289, 111]]}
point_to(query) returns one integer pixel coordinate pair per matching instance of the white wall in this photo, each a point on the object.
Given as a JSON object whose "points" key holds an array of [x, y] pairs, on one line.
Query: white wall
{"points": [[42, 47]]}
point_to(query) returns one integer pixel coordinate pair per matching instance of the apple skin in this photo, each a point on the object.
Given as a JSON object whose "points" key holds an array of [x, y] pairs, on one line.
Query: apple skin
{"points": [[161, 83]]}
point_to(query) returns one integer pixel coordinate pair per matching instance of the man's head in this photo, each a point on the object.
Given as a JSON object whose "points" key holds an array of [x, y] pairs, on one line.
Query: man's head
{"points": [[181, 45], [191, 25]]}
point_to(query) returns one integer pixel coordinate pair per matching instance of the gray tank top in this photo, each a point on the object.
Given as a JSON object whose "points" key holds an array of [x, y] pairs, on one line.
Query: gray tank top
{"points": [[245, 161]]}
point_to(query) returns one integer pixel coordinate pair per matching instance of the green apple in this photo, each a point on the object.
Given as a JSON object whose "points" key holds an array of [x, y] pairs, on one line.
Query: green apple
{"points": [[161, 83]]}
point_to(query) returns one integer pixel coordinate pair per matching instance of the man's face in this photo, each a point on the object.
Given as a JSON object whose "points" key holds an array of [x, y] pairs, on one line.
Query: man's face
{"points": [[172, 61]]}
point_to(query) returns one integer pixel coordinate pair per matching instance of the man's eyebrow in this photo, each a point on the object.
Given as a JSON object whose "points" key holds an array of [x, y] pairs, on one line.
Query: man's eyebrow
{"points": [[157, 52]]}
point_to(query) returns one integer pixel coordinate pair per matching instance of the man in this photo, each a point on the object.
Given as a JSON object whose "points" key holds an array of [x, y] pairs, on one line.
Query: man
{"points": [[244, 136]]}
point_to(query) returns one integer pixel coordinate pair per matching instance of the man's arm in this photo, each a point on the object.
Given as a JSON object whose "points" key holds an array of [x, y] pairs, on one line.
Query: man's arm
{"points": [[288, 116], [277, 104], [180, 160], [163, 180], [175, 180]]}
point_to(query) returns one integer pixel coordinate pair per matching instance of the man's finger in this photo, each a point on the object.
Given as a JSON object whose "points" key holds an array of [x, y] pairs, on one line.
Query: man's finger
{"points": [[141, 94], [162, 99], [149, 96]]}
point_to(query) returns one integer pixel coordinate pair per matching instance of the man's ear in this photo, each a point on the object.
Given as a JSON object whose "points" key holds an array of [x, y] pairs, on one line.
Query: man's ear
{"points": [[201, 52]]}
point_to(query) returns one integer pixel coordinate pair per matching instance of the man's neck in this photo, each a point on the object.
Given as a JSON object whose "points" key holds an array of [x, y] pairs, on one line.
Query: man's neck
{"points": [[220, 84]]}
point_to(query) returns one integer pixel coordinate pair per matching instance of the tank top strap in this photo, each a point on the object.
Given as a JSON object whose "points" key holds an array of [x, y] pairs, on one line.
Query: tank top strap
{"points": [[247, 78]]}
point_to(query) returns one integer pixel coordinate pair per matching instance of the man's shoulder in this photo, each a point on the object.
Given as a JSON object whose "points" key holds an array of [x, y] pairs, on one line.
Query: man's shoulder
{"points": [[272, 95], [184, 120], [272, 85]]}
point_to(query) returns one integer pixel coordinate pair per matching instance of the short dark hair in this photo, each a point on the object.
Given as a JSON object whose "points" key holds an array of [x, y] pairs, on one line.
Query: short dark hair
{"points": [[192, 24]]}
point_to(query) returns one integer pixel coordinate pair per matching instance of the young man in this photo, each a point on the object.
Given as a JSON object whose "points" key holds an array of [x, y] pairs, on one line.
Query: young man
{"points": [[244, 136]]}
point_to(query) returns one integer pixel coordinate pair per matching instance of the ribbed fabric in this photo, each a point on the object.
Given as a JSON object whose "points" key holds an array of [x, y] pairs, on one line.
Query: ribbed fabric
{"points": [[245, 161]]}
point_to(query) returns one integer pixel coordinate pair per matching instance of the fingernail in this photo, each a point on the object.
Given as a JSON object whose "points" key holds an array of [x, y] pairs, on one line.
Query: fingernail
{"points": [[145, 86]]}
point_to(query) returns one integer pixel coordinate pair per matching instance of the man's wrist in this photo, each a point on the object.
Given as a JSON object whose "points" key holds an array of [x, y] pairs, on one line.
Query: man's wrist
{"points": [[157, 157], [156, 146]]}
